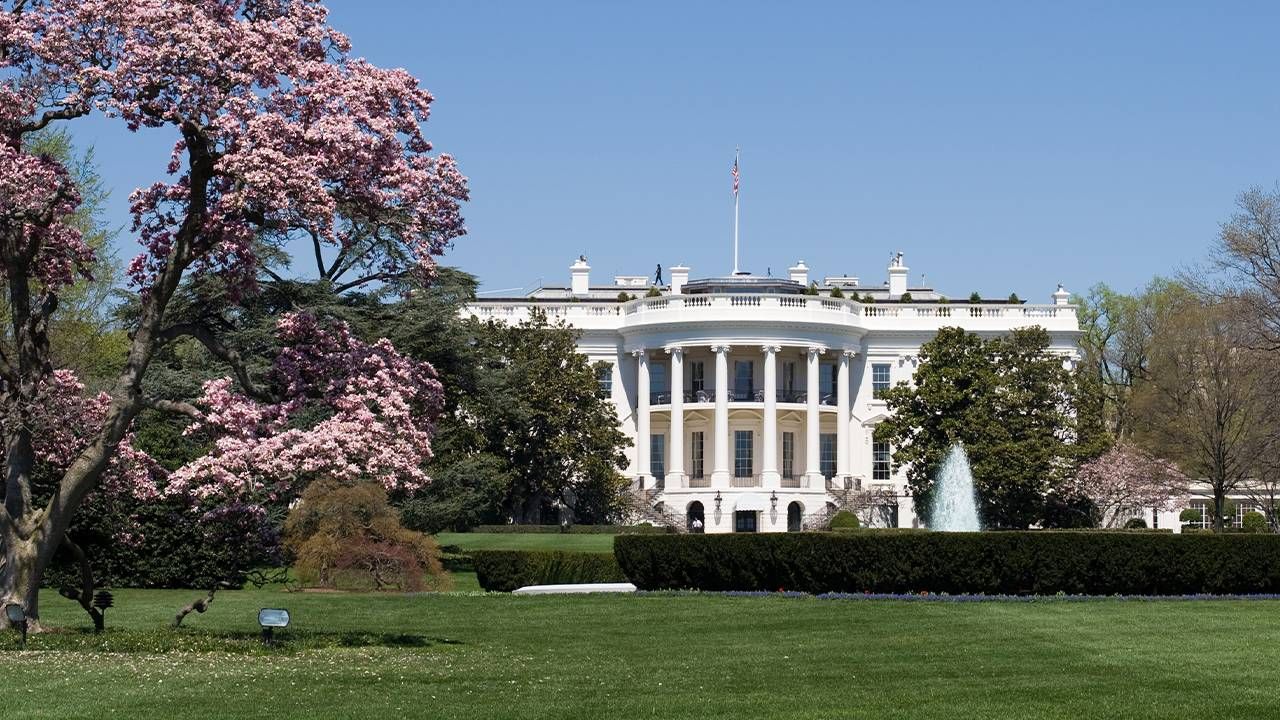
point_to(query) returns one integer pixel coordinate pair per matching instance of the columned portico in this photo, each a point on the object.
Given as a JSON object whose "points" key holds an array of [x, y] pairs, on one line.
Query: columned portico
{"points": [[720, 468], [769, 475], [812, 468], [675, 439], [642, 416]]}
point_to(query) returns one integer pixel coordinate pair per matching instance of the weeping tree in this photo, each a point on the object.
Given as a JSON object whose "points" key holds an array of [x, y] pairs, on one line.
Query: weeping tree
{"points": [[279, 136]]}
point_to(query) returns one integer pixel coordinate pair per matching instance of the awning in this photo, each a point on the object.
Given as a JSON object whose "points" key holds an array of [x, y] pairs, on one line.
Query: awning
{"points": [[751, 501]]}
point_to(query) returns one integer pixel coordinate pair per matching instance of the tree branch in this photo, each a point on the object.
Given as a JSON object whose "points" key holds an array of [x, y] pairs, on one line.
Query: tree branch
{"points": [[173, 406], [217, 349]]}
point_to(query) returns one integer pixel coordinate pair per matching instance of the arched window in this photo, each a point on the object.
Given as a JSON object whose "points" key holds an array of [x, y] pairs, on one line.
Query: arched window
{"points": [[694, 520], [794, 512]]}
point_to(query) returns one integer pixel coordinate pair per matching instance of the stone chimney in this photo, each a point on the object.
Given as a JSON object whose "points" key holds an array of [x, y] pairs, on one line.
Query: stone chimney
{"points": [[580, 274], [679, 276], [897, 276], [799, 273], [1061, 297]]}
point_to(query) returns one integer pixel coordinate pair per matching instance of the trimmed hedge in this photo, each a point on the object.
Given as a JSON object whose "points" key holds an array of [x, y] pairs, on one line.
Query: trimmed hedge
{"points": [[575, 529], [506, 570], [1012, 563]]}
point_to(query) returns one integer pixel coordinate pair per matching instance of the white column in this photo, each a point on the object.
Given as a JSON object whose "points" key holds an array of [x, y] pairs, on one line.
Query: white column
{"points": [[642, 415], [812, 454], [675, 439], [720, 469], [769, 475], [842, 417]]}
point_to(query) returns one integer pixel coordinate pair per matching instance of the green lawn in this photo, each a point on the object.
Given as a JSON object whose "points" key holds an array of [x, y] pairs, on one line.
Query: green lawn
{"points": [[501, 656], [583, 542]]}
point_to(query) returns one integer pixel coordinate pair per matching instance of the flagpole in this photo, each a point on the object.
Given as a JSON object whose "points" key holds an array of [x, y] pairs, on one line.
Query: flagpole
{"points": [[736, 154]]}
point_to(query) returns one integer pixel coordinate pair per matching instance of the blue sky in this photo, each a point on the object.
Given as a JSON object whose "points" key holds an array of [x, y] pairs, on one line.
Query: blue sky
{"points": [[1004, 147]]}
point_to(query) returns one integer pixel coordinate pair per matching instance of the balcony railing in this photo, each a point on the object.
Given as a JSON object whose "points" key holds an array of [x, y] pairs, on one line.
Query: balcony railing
{"points": [[708, 395], [744, 481], [700, 482], [792, 482]]}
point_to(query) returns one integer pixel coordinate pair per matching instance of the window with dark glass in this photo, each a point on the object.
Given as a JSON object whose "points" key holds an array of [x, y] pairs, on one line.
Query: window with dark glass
{"points": [[744, 521], [658, 456], [696, 447], [788, 378], [743, 451], [658, 382], [788, 454], [697, 376], [826, 379], [827, 455], [604, 379], [880, 462], [879, 379], [743, 379]]}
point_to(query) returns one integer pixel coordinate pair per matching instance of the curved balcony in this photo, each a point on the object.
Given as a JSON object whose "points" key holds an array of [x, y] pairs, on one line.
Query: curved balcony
{"points": [[708, 396]]}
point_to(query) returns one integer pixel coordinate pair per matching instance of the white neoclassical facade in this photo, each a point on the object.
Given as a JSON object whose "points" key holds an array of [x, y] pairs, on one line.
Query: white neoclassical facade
{"points": [[752, 401]]}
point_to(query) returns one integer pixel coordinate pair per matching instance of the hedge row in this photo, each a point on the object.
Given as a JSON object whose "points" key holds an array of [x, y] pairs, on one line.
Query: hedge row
{"points": [[575, 529], [506, 570], [1014, 563]]}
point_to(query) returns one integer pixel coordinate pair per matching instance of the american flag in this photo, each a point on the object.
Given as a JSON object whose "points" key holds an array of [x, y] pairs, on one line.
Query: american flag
{"points": [[735, 177]]}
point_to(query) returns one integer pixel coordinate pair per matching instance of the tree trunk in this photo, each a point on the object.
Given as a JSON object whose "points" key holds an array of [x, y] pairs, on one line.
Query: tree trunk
{"points": [[20, 577], [1219, 506]]}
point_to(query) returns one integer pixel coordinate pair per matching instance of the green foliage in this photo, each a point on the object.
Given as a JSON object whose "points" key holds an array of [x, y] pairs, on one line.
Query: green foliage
{"points": [[653, 292], [837, 292], [1135, 524], [812, 289], [1014, 299], [1190, 515], [625, 297], [845, 520], [1254, 522], [465, 491], [943, 300], [506, 570], [975, 297], [868, 299], [641, 529], [1007, 400], [1016, 563], [906, 298]]}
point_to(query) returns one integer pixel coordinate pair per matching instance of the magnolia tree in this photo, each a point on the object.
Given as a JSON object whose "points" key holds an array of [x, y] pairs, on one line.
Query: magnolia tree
{"points": [[1126, 481], [279, 136]]}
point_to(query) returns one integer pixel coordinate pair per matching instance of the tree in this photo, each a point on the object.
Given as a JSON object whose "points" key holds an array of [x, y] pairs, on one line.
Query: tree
{"points": [[1008, 400], [1126, 481], [1247, 255], [279, 134], [349, 537], [538, 407], [1209, 402]]}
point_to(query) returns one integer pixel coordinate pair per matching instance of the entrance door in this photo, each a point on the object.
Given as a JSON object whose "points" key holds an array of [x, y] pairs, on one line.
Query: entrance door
{"points": [[744, 521]]}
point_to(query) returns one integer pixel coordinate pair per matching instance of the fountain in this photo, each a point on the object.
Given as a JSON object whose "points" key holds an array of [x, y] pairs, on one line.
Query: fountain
{"points": [[955, 505]]}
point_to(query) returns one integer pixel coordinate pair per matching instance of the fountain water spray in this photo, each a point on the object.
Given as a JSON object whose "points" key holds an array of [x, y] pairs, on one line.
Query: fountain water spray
{"points": [[955, 505]]}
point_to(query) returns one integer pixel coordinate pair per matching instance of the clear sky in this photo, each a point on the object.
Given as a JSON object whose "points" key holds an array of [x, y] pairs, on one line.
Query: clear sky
{"points": [[1003, 147]]}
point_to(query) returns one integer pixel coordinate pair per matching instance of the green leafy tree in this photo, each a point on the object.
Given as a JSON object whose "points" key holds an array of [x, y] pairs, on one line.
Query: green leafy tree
{"points": [[1008, 400]]}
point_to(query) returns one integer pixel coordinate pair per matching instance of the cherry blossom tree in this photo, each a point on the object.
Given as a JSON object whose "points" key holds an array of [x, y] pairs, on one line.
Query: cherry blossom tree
{"points": [[1125, 481], [279, 134]]}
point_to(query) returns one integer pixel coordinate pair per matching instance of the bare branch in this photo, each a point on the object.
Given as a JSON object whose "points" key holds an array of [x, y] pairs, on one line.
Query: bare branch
{"points": [[218, 350]]}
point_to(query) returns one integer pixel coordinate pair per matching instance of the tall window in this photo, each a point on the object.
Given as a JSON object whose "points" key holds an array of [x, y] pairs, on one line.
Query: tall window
{"points": [[881, 468], [696, 447], [697, 376], [743, 379], [793, 517], [879, 379], [789, 378], [788, 454], [1206, 514], [657, 379], [604, 379], [826, 379], [743, 451], [827, 454], [658, 456]]}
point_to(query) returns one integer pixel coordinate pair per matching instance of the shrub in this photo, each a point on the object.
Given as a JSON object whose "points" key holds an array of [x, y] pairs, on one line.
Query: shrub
{"points": [[845, 520], [653, 292], [974, 297], [624, 297], [837, 292], [943, 300], [1017, 563], [1190, 516], [506, 570], [812, 289], [349, 537], [868, 299], [576, 529], [1014, 299], [1254, 522], [906, 297], [1135, 524]]}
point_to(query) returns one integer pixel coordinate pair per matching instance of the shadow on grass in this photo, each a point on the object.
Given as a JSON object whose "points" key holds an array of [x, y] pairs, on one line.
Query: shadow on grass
{"points": [[200, 640]]}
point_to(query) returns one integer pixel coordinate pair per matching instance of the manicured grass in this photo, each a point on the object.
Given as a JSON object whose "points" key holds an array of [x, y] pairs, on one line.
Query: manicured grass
{"points": [[584, 542], [501, 656]]}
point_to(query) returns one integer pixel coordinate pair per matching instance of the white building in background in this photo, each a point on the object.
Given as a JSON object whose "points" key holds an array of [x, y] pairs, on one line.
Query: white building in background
{"points": [[751, 404]]}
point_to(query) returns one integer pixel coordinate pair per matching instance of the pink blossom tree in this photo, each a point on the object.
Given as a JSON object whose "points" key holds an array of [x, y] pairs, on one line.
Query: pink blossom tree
{"points": [[279, 134], [1125, 481]]}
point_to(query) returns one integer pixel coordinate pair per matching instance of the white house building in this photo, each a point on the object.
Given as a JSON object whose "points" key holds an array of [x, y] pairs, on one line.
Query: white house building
{"points": [[751, 402]]}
